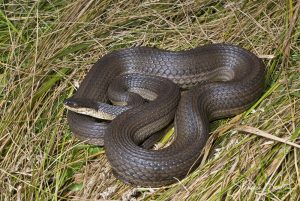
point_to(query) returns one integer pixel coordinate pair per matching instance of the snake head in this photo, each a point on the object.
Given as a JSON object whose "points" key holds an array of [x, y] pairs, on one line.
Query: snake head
{"points": [[80, 103], [93, 108], [82, 106], [71, 102], [75, 103]]}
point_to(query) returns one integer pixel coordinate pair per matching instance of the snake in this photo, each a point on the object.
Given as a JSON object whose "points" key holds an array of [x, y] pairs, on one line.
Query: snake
{"points": [[136, 92]]}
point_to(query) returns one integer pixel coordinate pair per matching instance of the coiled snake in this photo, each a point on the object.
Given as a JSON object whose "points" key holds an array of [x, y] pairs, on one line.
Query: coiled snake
{"points": [[222, 80]]}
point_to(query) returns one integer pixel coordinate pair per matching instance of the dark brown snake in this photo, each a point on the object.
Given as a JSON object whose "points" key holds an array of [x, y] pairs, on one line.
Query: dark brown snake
{"points": [[223, 80]]}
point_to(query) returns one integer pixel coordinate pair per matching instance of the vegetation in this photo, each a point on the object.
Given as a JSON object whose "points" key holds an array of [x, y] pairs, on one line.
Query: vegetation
{"points": [[48, 46]]}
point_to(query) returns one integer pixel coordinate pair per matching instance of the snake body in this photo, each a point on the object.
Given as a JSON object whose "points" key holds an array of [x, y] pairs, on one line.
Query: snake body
{"points": [[223, 80]]}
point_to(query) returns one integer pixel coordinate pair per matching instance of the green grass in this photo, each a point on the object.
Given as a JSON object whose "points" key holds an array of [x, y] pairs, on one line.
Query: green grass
{"points": [[48, 46]]}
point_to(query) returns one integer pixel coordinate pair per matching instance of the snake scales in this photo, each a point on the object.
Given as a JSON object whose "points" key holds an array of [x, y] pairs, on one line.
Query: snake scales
{"points": [[222, 80]]}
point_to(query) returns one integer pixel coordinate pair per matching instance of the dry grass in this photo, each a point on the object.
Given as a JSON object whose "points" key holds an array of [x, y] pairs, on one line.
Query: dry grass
{"points": [[48, 46]]}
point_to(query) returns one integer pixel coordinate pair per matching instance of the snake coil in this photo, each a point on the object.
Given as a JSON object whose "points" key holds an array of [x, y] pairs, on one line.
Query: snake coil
{"points": [[222, 80]]}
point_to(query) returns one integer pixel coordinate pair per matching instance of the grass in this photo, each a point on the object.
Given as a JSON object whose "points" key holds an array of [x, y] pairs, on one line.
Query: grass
{"points": [[48, 46]]}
